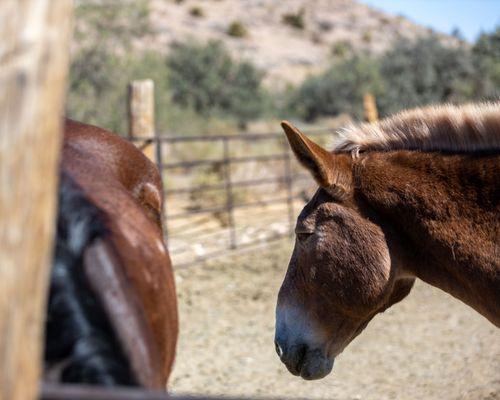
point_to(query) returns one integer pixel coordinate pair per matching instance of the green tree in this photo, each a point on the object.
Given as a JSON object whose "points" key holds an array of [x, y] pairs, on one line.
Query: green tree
{"points": [[102, 64], [486, 53], [207, 79], [338, 90], [423, 72]]}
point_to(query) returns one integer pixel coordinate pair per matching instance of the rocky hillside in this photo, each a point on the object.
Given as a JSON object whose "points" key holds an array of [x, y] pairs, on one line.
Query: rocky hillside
{"points": [[287, 39]]}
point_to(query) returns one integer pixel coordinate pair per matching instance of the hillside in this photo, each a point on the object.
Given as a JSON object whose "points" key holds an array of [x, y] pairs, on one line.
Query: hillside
{"points": [[313, 33], [117, 41]]}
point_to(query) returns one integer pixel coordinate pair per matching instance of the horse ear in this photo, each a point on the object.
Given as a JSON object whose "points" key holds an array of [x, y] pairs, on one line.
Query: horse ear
{"points": [[326, 168]]}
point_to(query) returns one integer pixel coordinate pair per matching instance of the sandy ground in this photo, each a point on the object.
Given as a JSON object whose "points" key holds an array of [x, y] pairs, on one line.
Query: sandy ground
{"points": [[430, 346]]}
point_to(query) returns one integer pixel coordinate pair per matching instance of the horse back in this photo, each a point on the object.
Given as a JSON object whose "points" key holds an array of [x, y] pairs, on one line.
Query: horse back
{"points": [[129, 267]]}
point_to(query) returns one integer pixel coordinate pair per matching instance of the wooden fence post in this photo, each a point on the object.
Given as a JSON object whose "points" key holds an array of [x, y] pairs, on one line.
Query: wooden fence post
{"points": [[370, 108], [34, 39], [141, 111]]}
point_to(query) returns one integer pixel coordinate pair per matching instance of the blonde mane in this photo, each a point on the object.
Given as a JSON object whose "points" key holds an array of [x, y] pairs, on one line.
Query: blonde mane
{"points": [[448, 128]]}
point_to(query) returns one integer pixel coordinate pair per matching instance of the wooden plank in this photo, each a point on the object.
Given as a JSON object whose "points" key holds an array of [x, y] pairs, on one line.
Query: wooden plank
{"points": [[85, 392], [370, 108], [34, 39], [141, 113]]}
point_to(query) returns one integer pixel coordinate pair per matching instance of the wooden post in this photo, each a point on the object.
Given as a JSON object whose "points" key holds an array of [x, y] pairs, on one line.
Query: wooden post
{"points": [[34, 39], [370, 107], [141, 111]]}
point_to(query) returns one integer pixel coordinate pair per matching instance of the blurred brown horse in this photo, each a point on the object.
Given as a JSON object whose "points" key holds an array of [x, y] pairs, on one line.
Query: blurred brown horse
{"points": [[413, 196], [112, 316]]}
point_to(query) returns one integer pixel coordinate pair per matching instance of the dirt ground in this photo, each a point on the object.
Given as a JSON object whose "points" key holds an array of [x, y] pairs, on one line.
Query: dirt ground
{"points": [[430, 346]]}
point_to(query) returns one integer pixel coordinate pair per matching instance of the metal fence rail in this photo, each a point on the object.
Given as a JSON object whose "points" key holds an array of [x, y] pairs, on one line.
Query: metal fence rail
{"points": [[287, 178]]}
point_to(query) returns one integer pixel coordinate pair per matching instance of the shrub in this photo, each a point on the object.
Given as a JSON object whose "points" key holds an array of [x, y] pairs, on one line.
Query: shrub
{"points": [[103, 65], [338, 90], [98, 83], [325, 26], [410, 74], [237, 29], [424, 72], [197, 12], [99, 72], [295, 20], [341, 49], [486, 53], [385, 20], [367, 37], [207, 79]]}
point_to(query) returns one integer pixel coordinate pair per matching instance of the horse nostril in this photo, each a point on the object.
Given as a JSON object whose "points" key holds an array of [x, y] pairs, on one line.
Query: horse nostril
{"points": [[292, 356], [279, 350], [301, 355]]}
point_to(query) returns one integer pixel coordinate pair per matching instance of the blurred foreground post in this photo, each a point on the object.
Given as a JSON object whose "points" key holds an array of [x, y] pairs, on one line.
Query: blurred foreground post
{"points": [[34, 39], [370, 108], [141, 112]]}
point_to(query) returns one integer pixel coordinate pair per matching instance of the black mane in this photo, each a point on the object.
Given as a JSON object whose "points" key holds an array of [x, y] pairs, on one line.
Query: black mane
{"points": [[80, 344]]}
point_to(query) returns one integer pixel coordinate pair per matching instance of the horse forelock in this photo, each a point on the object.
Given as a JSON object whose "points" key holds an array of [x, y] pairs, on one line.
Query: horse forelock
{"points": [[468, 128]]}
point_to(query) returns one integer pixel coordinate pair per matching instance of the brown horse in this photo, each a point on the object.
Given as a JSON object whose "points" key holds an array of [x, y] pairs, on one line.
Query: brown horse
{"points": [[121, 264], [413, 196]]}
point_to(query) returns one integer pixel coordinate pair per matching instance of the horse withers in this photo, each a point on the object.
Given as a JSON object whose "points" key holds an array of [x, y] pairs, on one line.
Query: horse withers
{"points": [[112, 312], [413, 196]]}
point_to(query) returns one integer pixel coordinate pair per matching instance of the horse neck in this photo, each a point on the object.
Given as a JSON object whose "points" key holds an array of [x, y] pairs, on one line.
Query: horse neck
{"points": [[445, 210]]}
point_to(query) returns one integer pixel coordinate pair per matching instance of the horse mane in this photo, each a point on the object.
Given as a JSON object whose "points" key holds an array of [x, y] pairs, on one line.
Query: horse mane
{"points": [[468, 128], [81, 346]]}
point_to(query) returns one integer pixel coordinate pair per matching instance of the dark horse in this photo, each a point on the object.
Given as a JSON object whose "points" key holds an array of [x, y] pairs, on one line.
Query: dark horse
{"points": [[112, 312], [413, 196]]}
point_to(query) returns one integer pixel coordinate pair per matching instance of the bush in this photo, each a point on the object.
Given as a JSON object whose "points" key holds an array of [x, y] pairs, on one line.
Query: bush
{"points": [[409, 75], [341, 49], [100, 96], [102, 69], [103, 66], [425, 72], [196, 12], [338, 90], [99, 74], [325, 26], [295, 20], [367, 37], [207, 79], [237, 29], [385, 20], [486, 53]]}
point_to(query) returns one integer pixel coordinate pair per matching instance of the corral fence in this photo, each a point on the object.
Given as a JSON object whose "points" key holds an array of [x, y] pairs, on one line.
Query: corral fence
{"points": [[244, 191], [224, 192]]}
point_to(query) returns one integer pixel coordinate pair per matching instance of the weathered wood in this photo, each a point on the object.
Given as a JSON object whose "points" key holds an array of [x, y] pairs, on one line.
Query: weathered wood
{"points": [[370, 108], [83, 392], [34, 38], [141, 107]]}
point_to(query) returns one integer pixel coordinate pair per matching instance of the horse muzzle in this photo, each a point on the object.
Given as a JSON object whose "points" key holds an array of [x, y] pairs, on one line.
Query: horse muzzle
{"points": [[303, 361]]}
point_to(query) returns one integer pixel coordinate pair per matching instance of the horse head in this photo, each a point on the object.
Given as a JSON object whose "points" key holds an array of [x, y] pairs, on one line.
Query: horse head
{"points": [[341, 273]]}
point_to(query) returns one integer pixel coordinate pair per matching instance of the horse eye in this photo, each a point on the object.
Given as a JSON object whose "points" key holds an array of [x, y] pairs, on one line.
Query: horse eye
{"points": [[303, 236]]}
